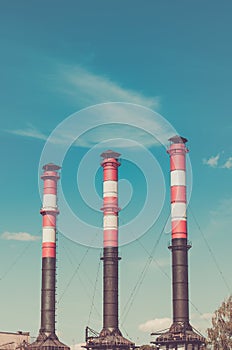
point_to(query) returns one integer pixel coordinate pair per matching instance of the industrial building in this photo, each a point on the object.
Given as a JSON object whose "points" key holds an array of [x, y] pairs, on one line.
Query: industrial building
{"points": [[13, 341]]}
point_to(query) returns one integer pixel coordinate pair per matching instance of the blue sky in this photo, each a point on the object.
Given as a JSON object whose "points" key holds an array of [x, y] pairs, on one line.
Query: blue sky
{"points": [[170, 59]]}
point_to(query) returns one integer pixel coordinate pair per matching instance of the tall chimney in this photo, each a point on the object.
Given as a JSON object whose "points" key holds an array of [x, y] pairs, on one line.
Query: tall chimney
{"points": [[179, 247], [47, 338], [110, 337], [181, 334], [110, 258]]}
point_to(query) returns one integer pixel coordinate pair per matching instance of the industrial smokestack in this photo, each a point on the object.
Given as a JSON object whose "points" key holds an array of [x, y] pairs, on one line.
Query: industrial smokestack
{"points": [[179, 247], [47, 339], [181, 334], [110, 258], [110, 337]]}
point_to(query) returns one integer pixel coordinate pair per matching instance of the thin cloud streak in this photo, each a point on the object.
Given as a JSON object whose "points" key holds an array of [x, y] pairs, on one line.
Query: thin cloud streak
{"points": [[34, 133], [29, 132], [19, 236], [121, 120], [109, 121], [90, 88], [128, 117]]}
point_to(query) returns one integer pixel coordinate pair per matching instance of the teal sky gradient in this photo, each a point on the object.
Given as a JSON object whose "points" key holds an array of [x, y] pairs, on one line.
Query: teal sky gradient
{"points": [[58, 57]]}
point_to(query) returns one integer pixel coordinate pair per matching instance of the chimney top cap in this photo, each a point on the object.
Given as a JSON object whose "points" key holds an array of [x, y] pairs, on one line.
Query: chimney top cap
{"points": [[178, 139], [51, 167], [110, 154]]}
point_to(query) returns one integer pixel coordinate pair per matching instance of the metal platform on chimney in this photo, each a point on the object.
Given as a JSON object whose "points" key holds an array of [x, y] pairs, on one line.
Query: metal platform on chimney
{"points": [[50, 342], [107, 340], [179, 336]]}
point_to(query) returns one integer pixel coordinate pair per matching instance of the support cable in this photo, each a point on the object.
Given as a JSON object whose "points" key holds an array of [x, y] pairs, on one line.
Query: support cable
{"points": [[155, 261], [18, 257], [211, 252], [94, 293], [68, 254], [73, 275], [151, 258], [82, 283], [140, 280], [75, 271], [125, 332]]}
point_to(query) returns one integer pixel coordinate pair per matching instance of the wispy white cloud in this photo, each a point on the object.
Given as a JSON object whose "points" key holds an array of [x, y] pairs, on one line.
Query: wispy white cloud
{"points": [[92, 126], [155, 325], [124, 121], [91, 88], [35, 133], [129, 116], [29, 131], [19, 236], [212, 161], [200, 321], [216, 162], [228, 163]]}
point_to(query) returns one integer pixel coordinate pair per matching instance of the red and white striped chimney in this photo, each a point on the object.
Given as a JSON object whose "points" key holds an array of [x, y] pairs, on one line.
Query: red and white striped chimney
{"points": [[110, 336], [180, 335], [177, 152], [49, 212], [110, 258], [179, 247], [110, 208], [47, 338]]}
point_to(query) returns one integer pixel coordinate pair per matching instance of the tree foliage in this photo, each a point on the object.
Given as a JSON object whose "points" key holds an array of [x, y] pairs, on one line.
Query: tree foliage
{"points": [[220, 335]]}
